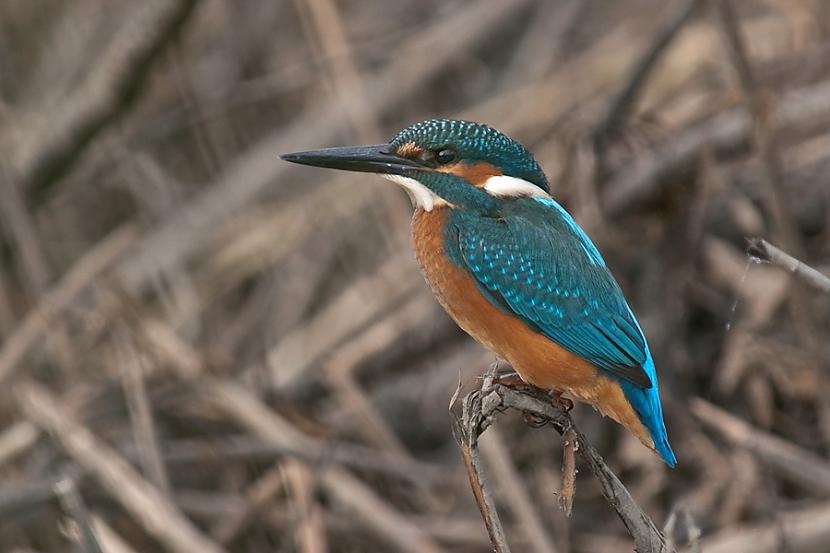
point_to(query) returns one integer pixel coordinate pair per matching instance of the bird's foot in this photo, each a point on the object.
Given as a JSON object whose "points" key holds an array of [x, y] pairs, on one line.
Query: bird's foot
{"points": [[510, 379], [558, 399], [533, 420]]}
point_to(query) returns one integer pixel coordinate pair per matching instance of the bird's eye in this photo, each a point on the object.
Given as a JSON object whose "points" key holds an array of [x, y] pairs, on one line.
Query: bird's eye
{"points": [[444, 156]]}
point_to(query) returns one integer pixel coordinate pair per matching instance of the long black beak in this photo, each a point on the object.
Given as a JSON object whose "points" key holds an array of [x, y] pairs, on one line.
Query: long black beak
{"points": [[366, 159]]}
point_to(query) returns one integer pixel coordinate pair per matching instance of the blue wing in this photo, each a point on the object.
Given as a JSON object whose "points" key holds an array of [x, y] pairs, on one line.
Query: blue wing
{"points": [[535, 262], [538, 264]]}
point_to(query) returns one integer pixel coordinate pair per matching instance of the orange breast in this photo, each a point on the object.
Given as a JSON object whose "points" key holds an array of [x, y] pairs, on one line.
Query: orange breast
{"points": [[537, 359]]}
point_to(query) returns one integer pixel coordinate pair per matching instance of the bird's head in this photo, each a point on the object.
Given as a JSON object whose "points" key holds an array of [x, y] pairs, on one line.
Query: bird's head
{"points": [[443, 162]]}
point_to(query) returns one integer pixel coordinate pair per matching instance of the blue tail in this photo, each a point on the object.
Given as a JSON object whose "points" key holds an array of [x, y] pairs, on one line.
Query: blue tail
{"points": [[646, 404]]}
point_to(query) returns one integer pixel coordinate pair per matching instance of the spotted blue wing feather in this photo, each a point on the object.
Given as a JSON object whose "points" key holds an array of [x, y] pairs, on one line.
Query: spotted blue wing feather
{"points": [[536, 263], [556, 281]]}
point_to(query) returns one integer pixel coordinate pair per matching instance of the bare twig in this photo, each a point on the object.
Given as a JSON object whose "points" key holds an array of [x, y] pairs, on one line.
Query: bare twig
{"points": [[626, 99], [727, 135], [110, 540], [130, 365], [60, 296], [109, 91], [176, 238], [17, 438], [810, 471], [468, 429], [483, 404], [73, 504], [566, 497], [777, 199], [376, 513], [514, 491], [763, 250], [36, 272], [257, 495], [310, 535], [149, 506], [806, 531]]}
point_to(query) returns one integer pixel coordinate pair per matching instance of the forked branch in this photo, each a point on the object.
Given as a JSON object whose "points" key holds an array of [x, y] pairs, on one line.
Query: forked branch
{"points": [[478, 412]]}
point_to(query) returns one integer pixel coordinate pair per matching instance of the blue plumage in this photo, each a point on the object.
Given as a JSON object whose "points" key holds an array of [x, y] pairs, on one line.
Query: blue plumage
{"points": [[535, 262], [525, 253]]}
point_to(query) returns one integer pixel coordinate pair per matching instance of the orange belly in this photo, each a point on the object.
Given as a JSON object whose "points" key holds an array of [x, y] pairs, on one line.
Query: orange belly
{"points": [[537, 359]]}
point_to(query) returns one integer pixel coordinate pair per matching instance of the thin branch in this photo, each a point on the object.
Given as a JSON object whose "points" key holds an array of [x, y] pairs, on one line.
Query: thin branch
{"points": [[765, 138], [625, 100], [515, 493], [72, 283], [467, 430], [140, 498], [479, 409], [566, 497], [798, 465], [726, 135], [110, 90], [73, 504], [248, 410], [175, 238], [763, 250]]}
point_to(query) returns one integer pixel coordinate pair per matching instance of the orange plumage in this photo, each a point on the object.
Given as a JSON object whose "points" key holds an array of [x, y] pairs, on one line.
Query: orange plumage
{"points": [[537, 359]]}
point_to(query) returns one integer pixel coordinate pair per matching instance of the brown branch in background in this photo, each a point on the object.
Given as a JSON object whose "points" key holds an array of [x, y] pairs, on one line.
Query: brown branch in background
{"points": [[72, 502], [798, 465], [111, 541], [130, 362], [310, 535], [804, 531], [60, 296], [726, 135], [377, 514], [256, 496], [254, 170], [512, 488], [481, 406], [765, 137], [149, 506], [35, 272], [109, 91], [625, 101], [763, 250]]}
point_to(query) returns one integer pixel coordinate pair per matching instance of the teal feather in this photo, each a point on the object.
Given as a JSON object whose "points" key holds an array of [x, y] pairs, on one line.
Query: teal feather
{"points": [[535, 262]]}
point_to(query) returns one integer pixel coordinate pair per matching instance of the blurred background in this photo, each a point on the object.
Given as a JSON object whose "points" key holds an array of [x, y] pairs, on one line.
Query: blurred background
{"points": [[207, 349]]}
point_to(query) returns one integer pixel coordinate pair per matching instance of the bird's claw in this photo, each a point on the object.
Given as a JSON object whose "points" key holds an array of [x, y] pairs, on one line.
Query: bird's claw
{"points": [[534, 420], [558, 399], [509, 379]]}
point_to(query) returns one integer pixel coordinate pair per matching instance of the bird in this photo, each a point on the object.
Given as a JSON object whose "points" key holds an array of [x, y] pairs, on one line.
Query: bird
{"points": [[513, 268]]}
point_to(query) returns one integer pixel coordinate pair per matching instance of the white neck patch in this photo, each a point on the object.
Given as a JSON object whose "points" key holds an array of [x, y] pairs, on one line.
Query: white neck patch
{"points": [[420, 195], [506, 187]]}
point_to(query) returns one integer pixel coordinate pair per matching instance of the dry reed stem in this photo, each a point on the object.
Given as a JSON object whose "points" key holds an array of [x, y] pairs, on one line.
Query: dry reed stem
{"points": [[798, 465], [376, 513], [140, 498], [763, 250], [60, 296]]}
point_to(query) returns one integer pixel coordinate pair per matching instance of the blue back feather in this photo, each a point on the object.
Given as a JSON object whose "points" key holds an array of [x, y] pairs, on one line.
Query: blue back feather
{"points": [[535, 262]]}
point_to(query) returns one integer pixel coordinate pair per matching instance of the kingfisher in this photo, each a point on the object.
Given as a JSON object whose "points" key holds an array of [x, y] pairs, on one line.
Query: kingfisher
{"points": [[514, 270]]}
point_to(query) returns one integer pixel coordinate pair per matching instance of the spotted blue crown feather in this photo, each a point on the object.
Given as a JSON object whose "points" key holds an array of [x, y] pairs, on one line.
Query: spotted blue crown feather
{"points": [[535, 262], [476, 142]]}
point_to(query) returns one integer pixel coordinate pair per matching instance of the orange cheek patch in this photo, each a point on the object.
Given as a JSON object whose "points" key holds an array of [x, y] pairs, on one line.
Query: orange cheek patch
{"points": [[410, 150], [476, 173]]}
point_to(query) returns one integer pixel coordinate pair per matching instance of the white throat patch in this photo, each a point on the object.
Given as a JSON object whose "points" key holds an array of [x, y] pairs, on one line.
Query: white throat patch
{"points": [[420, 195], [505, 187]]}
